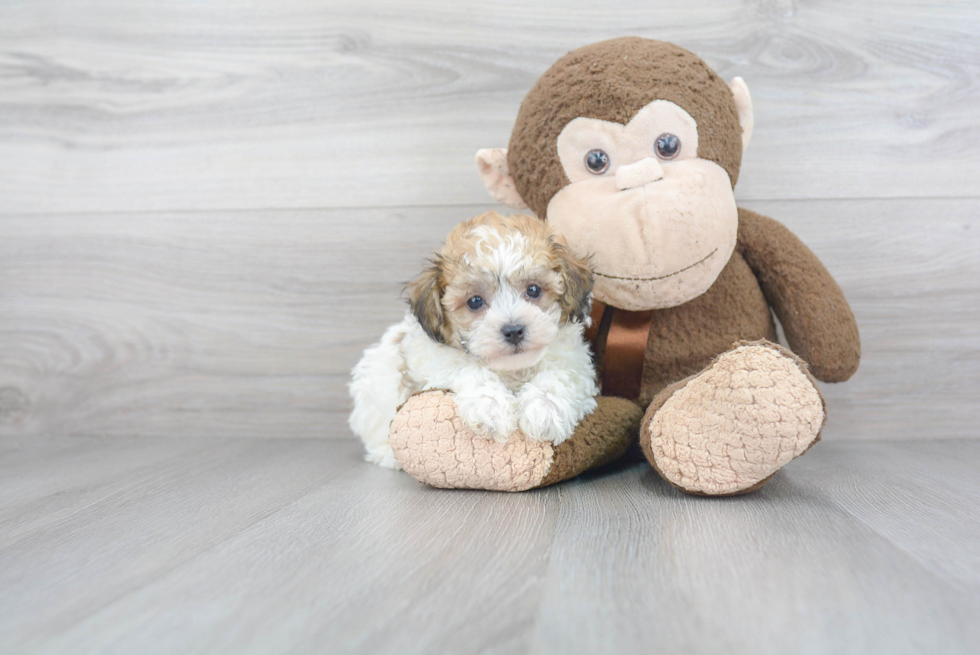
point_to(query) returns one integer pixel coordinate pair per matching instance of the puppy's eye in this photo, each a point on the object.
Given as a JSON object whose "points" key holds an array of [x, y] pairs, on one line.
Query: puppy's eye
{"points": [[475, 303], [597, 162], [667, 146], [533, 291]]}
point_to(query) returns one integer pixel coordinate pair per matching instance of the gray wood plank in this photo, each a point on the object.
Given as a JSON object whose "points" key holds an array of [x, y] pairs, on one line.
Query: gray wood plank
{"points": [[784, 570], [921, 498], [379, 525], [272, 546], [113, 534], [247, 323], [51, 469], [192, 324], [303, 103]]}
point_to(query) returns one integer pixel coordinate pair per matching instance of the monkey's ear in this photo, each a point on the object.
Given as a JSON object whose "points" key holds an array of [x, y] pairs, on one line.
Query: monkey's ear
{"points": [[495, 173], [576, 300], [743, 103], [425, 301]]}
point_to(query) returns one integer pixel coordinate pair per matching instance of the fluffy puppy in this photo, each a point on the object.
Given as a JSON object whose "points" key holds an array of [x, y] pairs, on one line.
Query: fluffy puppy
{"points": [[497, 318]]}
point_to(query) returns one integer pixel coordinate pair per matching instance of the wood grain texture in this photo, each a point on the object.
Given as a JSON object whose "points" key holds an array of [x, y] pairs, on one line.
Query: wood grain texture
{"points": [[110, 106], [191, 324], [275, 546], [130, 525], [247, 323], [790, 570]]}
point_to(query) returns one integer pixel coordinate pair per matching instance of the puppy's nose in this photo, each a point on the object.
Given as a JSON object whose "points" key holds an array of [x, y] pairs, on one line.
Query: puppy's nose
{"points": [[513, 333]]}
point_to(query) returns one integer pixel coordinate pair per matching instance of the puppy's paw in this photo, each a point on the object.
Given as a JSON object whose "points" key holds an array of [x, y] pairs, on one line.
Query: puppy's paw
{"points": [[544, 417], [488, 412]]}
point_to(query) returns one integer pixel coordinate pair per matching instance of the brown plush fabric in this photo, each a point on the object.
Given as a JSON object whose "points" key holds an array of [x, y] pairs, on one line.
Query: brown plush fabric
{"points": [[816, 318], [770, 266], [611, 81], [684, 339], [601, 438], [745, 409]]}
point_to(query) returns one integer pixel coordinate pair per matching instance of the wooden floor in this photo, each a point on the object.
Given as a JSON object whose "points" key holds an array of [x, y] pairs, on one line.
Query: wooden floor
{"points": [[297, 546]]}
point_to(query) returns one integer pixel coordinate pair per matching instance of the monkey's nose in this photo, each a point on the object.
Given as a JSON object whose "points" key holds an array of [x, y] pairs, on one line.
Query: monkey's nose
{"points": [[513, 333], [639, 173]]}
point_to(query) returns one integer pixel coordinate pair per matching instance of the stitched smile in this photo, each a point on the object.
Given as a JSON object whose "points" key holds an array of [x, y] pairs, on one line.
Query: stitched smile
{"points": [[662, 277]]}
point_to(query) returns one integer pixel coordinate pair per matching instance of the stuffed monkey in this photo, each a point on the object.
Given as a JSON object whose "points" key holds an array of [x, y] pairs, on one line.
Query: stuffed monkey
{"points": [[630, 149]]}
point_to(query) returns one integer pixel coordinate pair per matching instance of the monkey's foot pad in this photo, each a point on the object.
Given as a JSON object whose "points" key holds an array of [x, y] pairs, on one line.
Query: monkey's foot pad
{"points": [[431, 443], [728, 429]]}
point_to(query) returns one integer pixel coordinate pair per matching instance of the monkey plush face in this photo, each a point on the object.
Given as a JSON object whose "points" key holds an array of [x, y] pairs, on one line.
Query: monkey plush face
{"points": [[638, 184], [631, 148]]}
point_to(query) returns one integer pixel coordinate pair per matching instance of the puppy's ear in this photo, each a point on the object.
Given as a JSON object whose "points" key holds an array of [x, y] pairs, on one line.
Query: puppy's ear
{"points": [[425, 300], [576, 301]]}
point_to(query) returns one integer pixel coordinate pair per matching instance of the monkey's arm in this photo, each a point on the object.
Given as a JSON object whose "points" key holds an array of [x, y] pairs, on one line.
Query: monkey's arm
{"points": [[816, 318]]}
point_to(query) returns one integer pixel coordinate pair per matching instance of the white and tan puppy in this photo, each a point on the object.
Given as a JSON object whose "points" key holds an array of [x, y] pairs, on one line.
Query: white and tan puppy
{"points": [[497, 318]]}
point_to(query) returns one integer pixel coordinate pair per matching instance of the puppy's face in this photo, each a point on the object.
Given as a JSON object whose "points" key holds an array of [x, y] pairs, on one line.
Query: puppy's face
{"points": [[499, 289]]}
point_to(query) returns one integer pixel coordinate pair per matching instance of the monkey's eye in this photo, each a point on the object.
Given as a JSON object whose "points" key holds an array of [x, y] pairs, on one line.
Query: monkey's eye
{"points": [[534, 291], [475, 303], [667, 146], [597, 162]]}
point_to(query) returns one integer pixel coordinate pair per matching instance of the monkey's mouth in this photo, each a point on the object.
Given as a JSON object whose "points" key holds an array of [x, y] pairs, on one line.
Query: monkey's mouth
{"points": [[659, 277]]}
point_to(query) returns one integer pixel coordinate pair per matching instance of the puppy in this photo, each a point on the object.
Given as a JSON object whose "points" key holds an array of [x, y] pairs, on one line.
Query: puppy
{"points": [[497, 318]]}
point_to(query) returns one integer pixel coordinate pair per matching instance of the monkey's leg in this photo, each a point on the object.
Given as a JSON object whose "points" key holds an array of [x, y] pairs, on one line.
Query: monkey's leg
{"points": [[432, 445], [729, 428]]}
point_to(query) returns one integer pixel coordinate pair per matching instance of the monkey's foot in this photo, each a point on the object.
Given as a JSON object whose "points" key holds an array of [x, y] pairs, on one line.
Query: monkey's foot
{"points": [[431, 443], [728, 429]]}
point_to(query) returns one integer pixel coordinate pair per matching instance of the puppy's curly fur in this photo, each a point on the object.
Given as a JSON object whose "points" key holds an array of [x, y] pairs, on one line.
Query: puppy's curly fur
{"points": [[497, 318]]}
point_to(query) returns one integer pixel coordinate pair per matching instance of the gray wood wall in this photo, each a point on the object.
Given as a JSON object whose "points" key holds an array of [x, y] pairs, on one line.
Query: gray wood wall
{"points": [[207, 209]]}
